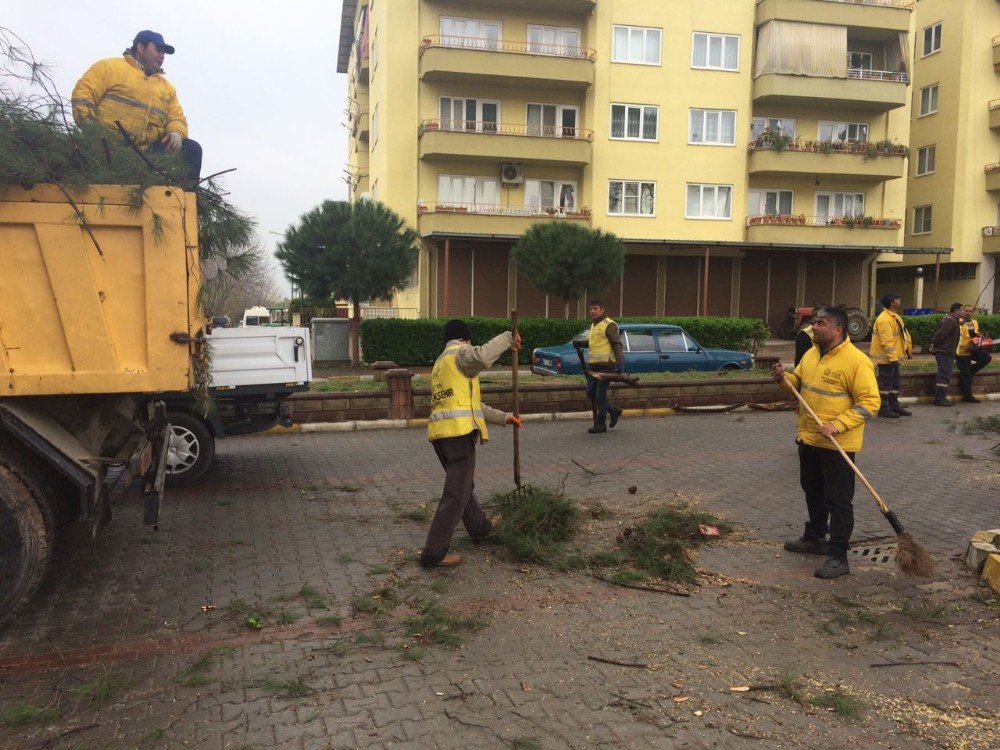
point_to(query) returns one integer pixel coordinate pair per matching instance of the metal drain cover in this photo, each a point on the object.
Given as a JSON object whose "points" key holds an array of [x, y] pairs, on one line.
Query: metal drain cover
{"points": [[877, 554]]}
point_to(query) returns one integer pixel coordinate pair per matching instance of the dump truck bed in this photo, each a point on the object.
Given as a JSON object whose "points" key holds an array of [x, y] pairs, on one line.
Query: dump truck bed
{"points": [[91, 309]]}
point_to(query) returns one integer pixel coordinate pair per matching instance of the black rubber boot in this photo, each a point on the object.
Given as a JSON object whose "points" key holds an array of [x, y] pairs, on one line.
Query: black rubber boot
{"points": [[616, 414], [898, 407], [598, 425], [940, 398], [885, 410], [805, 545], [833, 567]]}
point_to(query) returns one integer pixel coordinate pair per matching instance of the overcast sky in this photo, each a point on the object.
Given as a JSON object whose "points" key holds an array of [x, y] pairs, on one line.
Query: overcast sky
{"points": [[258, 82]]}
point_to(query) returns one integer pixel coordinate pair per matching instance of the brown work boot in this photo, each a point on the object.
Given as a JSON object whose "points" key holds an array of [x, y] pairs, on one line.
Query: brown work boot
{"points": [[448, 561]]}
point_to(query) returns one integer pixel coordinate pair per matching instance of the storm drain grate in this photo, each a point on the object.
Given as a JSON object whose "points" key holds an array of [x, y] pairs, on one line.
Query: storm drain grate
{"points": [[878, 554]]}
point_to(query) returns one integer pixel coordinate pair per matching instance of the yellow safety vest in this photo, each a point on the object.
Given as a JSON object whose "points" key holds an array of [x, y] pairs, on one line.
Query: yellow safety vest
{"points": [[600, 347], [456, 407], [808, 331], [967, 332]]}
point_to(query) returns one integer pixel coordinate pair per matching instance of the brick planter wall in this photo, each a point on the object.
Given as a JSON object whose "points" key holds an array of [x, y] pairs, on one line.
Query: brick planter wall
{"points": [[562, 396]]}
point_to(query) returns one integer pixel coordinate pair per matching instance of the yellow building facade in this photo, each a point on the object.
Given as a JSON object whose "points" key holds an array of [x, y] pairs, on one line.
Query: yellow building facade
{"points": [[752, 156]]}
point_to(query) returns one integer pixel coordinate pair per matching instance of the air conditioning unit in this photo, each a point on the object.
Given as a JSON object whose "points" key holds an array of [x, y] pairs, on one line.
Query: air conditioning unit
{"points": [[511, 174], [988, 231]]}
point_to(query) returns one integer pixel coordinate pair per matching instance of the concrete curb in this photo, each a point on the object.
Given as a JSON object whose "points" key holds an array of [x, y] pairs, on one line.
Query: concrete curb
{"points": [[395, 424]]}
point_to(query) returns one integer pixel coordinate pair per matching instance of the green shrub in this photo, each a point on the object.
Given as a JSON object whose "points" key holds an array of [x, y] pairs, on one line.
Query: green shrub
{"points": [[419, 342], [922, 327]]}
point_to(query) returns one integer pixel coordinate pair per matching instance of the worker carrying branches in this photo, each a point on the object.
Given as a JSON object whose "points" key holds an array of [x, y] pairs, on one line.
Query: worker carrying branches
{"points": [[606, 355]]}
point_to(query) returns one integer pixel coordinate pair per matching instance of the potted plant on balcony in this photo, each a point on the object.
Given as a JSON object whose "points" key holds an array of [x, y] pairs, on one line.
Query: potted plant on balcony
{"points": [[850, 222], [800, 220], [867, 222], [825, 147]]}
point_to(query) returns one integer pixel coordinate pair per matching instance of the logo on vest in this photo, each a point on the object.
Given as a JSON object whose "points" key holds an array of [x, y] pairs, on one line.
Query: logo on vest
{"points": [[442, 395]]}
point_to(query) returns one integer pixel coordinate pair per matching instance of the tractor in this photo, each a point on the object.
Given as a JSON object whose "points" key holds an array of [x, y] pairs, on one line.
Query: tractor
{"points": [[797, 318]]}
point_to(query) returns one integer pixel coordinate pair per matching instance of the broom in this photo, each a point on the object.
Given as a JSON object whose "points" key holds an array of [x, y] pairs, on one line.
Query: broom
{"points": [[911, 558]]}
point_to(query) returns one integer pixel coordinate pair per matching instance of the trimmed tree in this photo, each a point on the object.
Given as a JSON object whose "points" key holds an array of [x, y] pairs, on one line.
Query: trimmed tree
{"points": [[354, 251], [566, 260]]}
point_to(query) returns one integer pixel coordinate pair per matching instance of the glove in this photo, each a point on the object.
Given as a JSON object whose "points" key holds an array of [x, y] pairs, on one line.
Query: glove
{"points": [[512, 419], [619, 369], [172, 141]]}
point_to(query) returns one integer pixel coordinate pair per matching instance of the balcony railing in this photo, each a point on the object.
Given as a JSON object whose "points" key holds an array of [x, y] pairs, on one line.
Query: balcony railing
{"points": [[868, 149], [802, 220], [497, 45], [865, 74], [908, 4], [495, 209], [504, 128]]}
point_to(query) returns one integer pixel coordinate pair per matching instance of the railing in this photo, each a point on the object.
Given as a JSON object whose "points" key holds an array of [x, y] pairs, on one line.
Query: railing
{"points": [[801, 220], [992, 168], [905, 4], [497, 45], [868, 149], [995, 104], [503, 128], [865, 74], [495, 209], [408, 313]]}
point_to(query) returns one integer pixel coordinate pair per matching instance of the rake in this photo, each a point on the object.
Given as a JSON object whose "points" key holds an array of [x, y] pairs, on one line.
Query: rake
{"points": [[522, 492]]}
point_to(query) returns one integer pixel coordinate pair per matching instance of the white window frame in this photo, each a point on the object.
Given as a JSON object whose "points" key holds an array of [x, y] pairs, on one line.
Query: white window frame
{"points": [[705, 115], [374, 126], [558, 130], [622, 56], [933, 97], [373, 52], [760, 195], [724, 41], [479, 187], [480, 125], [704, 189], [463, 40], [934, 37], [779, 124], [836, 125], [843, 196], [559, 47], [926, 160], [926, 214], [535, 186], [642, 122], [639, 184], [865, 57]]}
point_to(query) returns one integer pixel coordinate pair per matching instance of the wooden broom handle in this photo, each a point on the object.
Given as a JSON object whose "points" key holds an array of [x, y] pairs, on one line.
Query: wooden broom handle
{"points": [[517, 402], [881, 503]]}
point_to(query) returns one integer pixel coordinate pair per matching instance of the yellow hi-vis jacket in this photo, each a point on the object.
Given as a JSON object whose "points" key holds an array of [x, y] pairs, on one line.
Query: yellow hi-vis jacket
{"points": [[890, 339], [600, 346], [966, 333], [840, 387], [119, 89], [456, 407]]}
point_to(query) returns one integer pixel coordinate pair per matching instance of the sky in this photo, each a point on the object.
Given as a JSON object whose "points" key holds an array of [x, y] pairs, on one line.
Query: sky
{"points": [[257, 80]]}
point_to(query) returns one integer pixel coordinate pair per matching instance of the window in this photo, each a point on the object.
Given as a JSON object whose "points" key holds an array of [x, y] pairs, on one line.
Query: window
{"points": [[925, 159], [859, 60], [840, 132], [639, 341], [715, 51], [712, 127], [635, 44], [922, 220], [928, 100], [469, 114], [631, 198], [552, 40], [709, 202], [462, 190], [374, 125], [470, 32], [769, 203], [672, 341], [552, 196], [373, 56], [552, 120], [634, 122], [780, 126], [839, 206], [932, 39]]}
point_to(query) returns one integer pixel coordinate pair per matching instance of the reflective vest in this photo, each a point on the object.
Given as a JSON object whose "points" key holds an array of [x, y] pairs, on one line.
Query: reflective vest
{"points": [[600, 347], [456, 408], [966, 333]]}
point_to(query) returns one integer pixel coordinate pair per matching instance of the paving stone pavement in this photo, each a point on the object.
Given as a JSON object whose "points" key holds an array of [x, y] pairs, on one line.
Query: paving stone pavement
{"points": [[142, 639]]}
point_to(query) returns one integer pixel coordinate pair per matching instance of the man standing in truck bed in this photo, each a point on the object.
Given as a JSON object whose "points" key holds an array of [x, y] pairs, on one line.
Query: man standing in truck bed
{"points": [[132, 90]]}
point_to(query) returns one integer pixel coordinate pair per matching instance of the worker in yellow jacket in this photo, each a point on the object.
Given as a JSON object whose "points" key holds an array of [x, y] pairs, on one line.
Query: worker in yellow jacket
{"points": [[837, 380], [970, 355], [132, 90], [891, 342]]}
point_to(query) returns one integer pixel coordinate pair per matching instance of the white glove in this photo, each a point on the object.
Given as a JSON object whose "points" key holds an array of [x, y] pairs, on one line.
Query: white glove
{"points": [[172, 141]]}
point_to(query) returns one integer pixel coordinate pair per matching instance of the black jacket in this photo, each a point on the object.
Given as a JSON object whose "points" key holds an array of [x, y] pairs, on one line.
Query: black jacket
{"points": [[945, 339]]}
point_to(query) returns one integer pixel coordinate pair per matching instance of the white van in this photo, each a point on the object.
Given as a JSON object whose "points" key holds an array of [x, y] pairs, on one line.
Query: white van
{"points": [[255, 316]]}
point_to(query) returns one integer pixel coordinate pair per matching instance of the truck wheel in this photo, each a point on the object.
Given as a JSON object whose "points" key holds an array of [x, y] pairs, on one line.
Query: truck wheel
{"points": [[191, 449], [857, 324], [27, 532]]}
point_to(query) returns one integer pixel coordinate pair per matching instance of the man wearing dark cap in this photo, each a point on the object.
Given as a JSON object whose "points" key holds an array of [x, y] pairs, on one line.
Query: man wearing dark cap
{"points": [[132, 90], [457, 422]]}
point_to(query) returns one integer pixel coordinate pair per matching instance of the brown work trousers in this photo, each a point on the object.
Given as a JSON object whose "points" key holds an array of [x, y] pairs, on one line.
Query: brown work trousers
{"points": [[458, 501]]}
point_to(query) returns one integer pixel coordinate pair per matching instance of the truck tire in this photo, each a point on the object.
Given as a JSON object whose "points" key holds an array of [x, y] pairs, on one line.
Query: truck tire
{"points": [[27, 531], [191, 449], [857, 324]]}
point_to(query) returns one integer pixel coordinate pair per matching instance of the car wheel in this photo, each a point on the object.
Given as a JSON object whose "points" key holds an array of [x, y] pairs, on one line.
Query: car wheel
{"points": [[190, 450], [729, 368]]}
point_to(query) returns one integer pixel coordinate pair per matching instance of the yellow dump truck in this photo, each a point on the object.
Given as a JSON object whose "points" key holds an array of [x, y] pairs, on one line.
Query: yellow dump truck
{"points": [[98, 314]]}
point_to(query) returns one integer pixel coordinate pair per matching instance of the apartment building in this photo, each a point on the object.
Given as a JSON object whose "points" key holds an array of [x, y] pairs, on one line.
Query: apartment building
{"points": [[953, 194], [752, 156]]}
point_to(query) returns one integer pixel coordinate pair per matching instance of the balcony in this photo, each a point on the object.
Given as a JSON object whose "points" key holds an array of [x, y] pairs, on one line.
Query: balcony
{"points": [[554, 6], [871, 162], [800, 229], [488, 219], [476, 61], [996, 54], [862, 89], [889, 16], [360, 124], [470, 140], [991, 239], [993, 177], [995, 114]]}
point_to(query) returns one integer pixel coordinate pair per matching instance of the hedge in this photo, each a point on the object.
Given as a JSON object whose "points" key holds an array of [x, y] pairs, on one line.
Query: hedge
{"points": [[922, 327], [419, 342]]}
